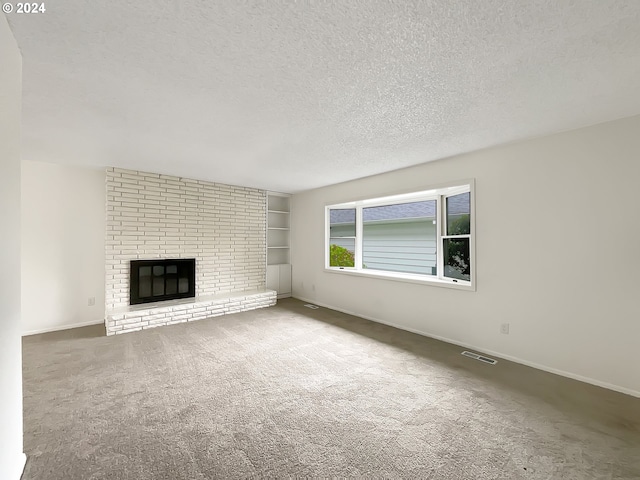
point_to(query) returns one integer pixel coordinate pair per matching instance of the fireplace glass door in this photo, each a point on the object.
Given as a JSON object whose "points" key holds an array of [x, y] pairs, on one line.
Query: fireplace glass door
{"points": [[158, 280]]}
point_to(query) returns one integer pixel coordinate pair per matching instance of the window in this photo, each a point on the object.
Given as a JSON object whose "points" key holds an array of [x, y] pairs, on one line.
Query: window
{"points": [[342, 236], [422, 236], [456, 243], [400, 237]]}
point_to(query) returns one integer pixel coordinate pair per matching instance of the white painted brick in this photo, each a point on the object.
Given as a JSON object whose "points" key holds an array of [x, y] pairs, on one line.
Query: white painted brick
{"points": [[157, 322], [173, 322], [127, 331], [160, 216], [127, 189], [128, 196]]}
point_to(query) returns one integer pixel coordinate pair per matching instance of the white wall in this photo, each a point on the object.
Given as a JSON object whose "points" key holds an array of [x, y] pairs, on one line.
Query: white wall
{"points": [[568, 290], [63, 231], [11, 456]]}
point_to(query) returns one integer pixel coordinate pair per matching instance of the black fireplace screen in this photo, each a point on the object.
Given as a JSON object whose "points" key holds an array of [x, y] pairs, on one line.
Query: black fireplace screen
{"points": [[157, 280]]}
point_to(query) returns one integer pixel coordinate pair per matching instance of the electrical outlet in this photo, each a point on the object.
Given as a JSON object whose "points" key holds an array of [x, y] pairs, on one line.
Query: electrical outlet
{"points": [[504, 328], [92, 301]]}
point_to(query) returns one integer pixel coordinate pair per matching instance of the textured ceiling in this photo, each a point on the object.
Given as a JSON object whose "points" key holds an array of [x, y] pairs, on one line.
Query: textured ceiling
{"points": [[295, 95]]}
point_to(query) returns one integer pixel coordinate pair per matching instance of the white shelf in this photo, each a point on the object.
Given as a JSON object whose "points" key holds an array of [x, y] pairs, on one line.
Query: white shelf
{"points": [[277, 220], [278, 235], [278, 202]]}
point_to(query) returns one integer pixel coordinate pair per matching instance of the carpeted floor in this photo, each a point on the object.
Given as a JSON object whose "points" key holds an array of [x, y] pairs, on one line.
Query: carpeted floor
{"points": [[292, 392]]}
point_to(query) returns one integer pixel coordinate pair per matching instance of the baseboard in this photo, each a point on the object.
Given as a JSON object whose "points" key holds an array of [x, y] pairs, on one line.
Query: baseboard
{"points": [[493, 353], [15, 469], [62, 327]]}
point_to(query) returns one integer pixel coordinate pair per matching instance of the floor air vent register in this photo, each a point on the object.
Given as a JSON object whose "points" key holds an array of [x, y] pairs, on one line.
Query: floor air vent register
{"points": [[480, 358]]}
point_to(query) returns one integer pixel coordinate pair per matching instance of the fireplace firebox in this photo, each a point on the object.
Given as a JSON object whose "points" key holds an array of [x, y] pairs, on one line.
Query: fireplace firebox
{"points": [[158, 280]]}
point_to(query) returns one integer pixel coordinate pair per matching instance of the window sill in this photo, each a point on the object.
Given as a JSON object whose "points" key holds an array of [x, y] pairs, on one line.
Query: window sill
{"points": [[405, 277]]}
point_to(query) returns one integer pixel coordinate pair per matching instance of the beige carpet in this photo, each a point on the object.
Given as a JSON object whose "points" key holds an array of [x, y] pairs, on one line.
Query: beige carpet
{"points": [[292, 392]]}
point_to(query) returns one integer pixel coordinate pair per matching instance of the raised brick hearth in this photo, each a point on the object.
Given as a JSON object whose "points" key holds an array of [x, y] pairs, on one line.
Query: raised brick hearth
{"points": [[139, 317]]}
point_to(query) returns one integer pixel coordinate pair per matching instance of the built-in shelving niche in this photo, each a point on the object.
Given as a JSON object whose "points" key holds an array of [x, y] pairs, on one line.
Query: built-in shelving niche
{"points": [[278, 243]]}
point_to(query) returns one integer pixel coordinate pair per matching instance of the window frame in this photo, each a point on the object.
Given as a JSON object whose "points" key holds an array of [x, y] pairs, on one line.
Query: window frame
{"points": [[357, 248], [437, 192]]}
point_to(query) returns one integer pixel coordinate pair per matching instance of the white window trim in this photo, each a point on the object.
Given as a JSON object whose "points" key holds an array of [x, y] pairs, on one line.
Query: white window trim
{"points": [[438, 192]]}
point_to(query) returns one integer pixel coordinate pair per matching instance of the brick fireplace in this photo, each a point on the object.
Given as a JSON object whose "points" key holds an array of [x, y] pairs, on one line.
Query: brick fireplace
{"points": [[152, 216]]}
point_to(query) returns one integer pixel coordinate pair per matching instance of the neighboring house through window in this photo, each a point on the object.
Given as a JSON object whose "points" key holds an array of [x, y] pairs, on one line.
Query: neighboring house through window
{"points": [[424, 236]]}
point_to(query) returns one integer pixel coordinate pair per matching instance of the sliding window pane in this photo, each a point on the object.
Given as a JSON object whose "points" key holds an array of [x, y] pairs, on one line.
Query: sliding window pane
{"points": [[342, 233], [459, 214], [342, 252], [342, 223], [457, 258]]}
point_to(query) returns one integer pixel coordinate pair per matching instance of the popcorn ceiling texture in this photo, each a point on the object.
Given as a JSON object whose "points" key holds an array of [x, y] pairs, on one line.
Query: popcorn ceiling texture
{"points": [[287, 96], [160, 216]]}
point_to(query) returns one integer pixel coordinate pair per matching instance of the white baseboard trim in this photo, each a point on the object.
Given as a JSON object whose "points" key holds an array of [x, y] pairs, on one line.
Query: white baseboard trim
{"points": [[494, 353], [62, 327], [16, 469]]}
